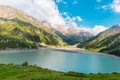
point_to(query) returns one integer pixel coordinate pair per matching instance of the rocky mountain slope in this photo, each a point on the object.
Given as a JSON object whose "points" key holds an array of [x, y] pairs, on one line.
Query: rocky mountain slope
{"points": [[18, 30], [70, 35], [107, 41], [74, 38]]}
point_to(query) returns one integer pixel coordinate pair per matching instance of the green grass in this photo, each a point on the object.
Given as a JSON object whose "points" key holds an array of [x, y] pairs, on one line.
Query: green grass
{"points": [[108, 45], [23, 34], [12, 72]]}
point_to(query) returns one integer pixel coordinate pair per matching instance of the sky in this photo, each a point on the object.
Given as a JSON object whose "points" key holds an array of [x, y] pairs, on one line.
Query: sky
{"points": [[90, 15]]}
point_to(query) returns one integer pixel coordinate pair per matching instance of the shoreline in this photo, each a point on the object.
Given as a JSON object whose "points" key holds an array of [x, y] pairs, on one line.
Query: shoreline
{"points": [[71, 50], [82, 52]]}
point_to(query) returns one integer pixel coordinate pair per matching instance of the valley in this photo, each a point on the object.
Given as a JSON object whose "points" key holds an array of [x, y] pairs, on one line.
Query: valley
{"points": [[39, 41], [26, 32]]}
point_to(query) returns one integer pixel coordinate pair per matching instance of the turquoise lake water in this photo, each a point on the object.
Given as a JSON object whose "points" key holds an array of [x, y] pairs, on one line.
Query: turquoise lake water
{"points": [[63, 61]]}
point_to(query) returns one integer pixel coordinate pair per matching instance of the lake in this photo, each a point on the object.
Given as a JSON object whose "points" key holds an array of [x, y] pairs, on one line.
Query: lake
{"points": [[63, 61]]}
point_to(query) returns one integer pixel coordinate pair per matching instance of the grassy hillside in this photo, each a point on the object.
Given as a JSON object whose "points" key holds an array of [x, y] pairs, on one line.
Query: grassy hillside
{"points": [[107, 42], [15, 33], [18, 30], [24, 72]]}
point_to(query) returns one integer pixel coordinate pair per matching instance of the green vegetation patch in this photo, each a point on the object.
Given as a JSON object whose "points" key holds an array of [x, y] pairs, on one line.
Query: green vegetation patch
{"points": [[25, 72], [16, 33]]}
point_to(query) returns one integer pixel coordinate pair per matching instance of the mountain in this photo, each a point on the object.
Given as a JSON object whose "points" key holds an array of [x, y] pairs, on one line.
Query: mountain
{"points": [[107, 41], [70, 35], [18, 30], [74, 38]]}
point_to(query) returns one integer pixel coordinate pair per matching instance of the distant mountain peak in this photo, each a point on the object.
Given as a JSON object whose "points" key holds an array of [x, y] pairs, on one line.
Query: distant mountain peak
{"points": [[114, 29], [107, 41], [8, 12], [6, 7], [116, 26]]}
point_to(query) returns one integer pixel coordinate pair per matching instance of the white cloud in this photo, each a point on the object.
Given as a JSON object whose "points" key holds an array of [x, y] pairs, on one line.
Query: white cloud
{"points": [[95, 30], [99, 28], [58, 1], [99, 1], [65, 13], [104, 7], [43, 10], [61, 1], [75, 2], [79, 18], [71, 21], [115, 6]]}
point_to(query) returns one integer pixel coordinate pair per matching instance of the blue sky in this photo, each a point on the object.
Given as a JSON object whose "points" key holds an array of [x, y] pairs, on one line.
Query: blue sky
{"points": [[93, 12], [91, 15]]}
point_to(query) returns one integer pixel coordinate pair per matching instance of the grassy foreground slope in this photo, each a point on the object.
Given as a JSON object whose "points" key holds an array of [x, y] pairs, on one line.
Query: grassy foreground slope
{"points": [[15, 72]]}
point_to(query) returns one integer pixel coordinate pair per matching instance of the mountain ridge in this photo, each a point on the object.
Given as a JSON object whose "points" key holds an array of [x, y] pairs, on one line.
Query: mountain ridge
{"points": [[24, 31], [70, 35], [107, 41]]}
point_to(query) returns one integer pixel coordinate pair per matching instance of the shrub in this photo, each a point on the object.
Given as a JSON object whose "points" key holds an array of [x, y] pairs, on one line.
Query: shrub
{"points": [[25, 63], [75, 74]]}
